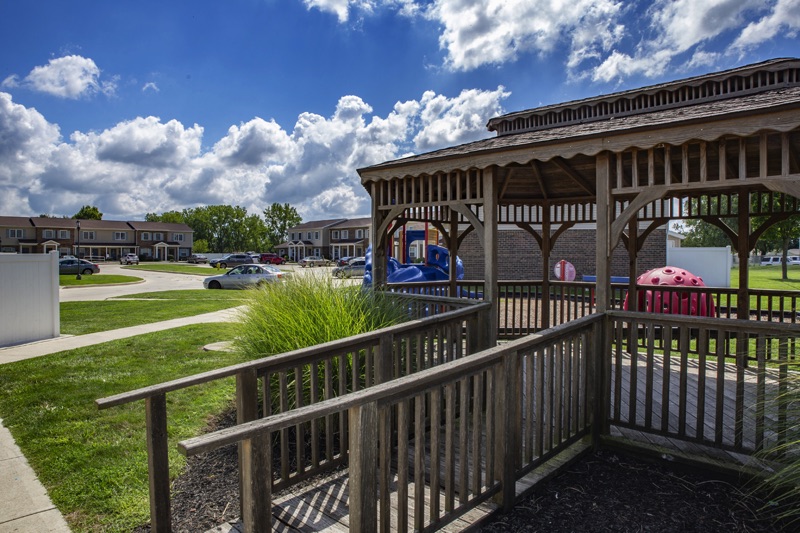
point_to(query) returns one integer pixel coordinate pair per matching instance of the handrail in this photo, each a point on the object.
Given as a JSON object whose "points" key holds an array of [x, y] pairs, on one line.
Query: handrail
{"points": [[483, 403], [295, 357], [708, 322]]}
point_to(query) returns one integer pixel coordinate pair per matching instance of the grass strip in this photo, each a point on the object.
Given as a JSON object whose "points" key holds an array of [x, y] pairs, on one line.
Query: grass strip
{"points": [[94, 463], [80, 318], [69, 280], [199, 270]]}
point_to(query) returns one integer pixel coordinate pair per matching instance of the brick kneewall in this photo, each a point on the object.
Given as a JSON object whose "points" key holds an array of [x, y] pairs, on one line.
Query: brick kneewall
{"points": [[519, 257]]}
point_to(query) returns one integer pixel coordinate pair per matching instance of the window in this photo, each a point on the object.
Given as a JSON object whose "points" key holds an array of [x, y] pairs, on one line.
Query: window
{"points": [[335, 234], [48, 234], [15, 233], [120, 235], [345, 234], [63, 234], [359, 234], [158, 236], [87, 235], [177, 237], [316, 235], [291, 236], [145, 235]]}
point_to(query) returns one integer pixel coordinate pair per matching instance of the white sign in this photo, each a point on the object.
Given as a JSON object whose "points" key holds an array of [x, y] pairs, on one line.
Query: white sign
{"points": [[564, 271]]}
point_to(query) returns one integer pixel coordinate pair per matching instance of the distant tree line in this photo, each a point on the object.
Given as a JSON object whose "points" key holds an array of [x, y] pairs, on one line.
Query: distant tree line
{"points": [[226, 228]]}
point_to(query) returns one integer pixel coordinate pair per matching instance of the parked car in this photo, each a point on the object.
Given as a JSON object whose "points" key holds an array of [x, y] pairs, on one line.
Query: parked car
{"points": [[794, 260], [129, 259], [243, 277], [343, 260], [312, 261], [197, 259], [231, 260], [354, 268], [771, 260], [73, 266], [272, 259]]}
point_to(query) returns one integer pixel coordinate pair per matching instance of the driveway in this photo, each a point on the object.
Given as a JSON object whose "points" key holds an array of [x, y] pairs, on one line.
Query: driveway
{"points": [[153, 282]]}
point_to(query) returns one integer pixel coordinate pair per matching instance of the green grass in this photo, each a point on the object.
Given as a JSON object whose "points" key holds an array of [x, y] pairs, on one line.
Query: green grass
{"points": [[769, 277], [310, 310], [180, 268], [94, 463], [80, 318], [188, 295], [69, 280]]}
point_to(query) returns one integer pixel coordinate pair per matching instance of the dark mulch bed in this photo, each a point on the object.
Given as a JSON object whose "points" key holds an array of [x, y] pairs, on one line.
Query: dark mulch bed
{"points": [[605, 492]]}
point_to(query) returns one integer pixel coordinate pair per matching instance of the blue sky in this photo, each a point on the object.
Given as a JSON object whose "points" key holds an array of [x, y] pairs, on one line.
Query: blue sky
{"points": [[150, 106]]}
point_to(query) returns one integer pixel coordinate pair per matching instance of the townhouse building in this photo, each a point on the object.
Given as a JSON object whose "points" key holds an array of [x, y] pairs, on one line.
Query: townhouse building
{"points": [[95, 239], [350, 238], [332, 239]]}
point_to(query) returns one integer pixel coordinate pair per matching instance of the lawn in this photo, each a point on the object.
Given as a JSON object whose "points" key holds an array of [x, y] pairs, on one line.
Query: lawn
{"points": [[94, 463], [769, 277], [180, 268], [69, 280], [80, 318]]}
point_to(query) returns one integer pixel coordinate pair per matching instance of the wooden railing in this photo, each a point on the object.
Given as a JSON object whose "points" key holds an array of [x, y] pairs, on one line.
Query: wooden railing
{"points": [[520, 306], [723, 396], [459, 433], [443, 329]]}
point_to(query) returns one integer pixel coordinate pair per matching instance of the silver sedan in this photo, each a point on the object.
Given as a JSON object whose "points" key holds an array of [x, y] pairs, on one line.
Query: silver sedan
{"points": [[243, 277]]}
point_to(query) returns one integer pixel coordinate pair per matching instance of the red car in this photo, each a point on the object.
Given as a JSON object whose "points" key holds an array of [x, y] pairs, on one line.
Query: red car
{"points": [[273, 259]]}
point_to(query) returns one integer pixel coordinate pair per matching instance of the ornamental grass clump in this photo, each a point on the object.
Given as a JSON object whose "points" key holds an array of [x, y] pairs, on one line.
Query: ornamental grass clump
{"points": [[309, 310], [782, 487]]}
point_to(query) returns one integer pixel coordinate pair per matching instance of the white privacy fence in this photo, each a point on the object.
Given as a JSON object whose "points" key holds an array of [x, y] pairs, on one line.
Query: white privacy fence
{"points": [[29, 301]]}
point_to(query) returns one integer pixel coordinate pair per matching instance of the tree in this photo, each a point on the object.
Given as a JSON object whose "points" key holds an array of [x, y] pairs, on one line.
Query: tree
{"points": [[700, 233], [278, 219], [226, 228], [173, 217], [89, 212], [779, 235]]}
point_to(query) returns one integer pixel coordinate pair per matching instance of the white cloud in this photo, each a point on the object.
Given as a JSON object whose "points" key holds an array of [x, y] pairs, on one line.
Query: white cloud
{"points": [[340, 8], [146, 165], [783, 16], [68, 77], [150, 86]]}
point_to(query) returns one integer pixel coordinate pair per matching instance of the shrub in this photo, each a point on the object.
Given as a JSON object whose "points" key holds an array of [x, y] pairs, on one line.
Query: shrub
{"points": [[783, 485], [309, 310]]}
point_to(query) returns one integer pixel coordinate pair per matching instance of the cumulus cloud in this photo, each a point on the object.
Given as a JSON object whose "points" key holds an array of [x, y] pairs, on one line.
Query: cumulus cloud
{"points": [[340, 8], [150, 86], [148, 165], [784, 16], [68, 77]]}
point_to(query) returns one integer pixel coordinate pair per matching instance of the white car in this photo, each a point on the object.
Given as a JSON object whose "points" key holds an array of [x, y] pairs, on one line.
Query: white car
{"points": [[243, 277], [129, 259], [770, 260]]}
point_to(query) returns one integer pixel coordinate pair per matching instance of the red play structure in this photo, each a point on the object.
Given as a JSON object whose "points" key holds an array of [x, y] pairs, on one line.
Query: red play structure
{"points": [[670, 301]]}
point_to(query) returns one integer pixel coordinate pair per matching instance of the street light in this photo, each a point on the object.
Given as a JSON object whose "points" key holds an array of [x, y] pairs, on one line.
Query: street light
{"points": [[78, 251]]}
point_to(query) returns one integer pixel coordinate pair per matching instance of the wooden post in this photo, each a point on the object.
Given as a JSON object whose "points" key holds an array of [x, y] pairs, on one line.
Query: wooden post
{"points": [[605, 208], [508, 440], [247, 411], [633, 253], [383, 372], [547, 244], [378, 241], [158, 463], [255, 467], [490, 289], [452, 247], [743, 249], [363, 462]]}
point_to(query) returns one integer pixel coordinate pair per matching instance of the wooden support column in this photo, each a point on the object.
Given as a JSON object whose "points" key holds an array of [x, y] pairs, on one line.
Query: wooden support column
{"points": [[255, 469], [743, 249], [604, 215], [452, 248], [633, 256], [363, 466], [490, 289], [547, 245]]}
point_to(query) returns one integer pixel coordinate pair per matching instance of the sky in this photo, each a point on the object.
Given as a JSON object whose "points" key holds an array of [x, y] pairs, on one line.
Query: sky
{"points": [[149, 106]]}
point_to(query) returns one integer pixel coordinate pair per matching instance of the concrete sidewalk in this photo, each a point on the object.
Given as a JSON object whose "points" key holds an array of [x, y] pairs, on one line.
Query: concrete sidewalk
{"points": [[19, 352], [26, 507]]}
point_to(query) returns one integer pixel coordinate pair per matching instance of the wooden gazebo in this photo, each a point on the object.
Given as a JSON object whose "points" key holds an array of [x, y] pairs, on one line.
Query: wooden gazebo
{"points": [[628, 162]]}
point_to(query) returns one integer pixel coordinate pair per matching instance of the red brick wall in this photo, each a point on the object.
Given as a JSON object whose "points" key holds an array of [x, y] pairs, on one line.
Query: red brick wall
{"points": [[519, 256]]}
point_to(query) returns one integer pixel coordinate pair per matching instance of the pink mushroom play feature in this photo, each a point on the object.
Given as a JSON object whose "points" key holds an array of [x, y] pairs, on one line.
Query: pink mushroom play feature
{"points": [[671, 301]]}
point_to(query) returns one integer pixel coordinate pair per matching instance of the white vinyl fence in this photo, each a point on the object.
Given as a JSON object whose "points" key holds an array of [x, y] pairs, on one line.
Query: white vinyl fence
{"points": [[712, 264], [29, 301]]}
